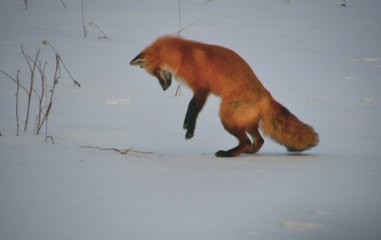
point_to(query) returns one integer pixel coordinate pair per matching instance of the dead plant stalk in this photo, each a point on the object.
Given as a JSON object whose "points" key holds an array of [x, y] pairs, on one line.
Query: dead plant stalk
{"points": [[17, 102], [41, 70], [51, 98], [32, 69]]}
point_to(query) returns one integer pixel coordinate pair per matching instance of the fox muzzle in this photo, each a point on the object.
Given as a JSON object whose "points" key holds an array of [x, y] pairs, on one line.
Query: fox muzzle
{"points": [[139, 61], [164, 77]]}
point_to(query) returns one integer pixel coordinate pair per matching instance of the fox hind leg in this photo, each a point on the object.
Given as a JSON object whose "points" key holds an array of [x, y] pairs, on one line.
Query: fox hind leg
{"points": [[231, 124], [243, 145], [257, 140]]}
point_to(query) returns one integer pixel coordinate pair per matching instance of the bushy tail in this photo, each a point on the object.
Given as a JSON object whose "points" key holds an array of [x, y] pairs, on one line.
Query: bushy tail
{"points": [[285, 128]]}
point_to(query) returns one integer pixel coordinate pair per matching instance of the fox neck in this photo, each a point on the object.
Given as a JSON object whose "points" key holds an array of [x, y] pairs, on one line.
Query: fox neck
{"points": [[172, 63], [178, 78]]}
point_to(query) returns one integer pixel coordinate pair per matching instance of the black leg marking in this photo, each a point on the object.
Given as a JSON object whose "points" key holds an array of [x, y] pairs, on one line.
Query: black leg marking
{"points": [[195, 106], [244, 145]]}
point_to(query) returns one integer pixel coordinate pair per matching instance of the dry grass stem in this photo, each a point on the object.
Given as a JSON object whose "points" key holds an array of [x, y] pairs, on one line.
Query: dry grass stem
{"points": [[178, 91], [15, 81], [51, 98], [84, 29], [32, 69], [49, 138], [46, 42], [41, 70], [121, 151], [103, 33], [17, 102], [63, 4]]}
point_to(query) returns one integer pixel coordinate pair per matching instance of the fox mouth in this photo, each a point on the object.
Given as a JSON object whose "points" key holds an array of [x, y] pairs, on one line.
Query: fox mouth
{"points": [[164, 77]]}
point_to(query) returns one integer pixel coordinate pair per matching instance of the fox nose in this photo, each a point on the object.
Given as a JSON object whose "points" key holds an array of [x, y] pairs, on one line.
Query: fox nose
{"points": [[138, 61]]}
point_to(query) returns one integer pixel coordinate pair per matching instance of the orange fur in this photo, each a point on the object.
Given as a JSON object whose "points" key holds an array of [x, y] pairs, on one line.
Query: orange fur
{"points": [[246, 104]]}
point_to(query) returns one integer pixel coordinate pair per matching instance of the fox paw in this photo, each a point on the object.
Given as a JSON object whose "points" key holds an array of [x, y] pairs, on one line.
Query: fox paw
{"points": [[190, 130], [223, 153], [189, 135]]}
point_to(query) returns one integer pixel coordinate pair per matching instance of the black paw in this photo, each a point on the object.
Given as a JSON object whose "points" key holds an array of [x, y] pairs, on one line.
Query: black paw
{"points": [[190, 130], [223, 153], [189, 134]]}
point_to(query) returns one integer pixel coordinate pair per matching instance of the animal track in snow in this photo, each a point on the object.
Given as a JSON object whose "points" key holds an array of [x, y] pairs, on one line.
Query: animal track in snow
{"points": [[366, 59], [318, 98], [369, 60], [367, 101], [300, 226], [118, 101]]}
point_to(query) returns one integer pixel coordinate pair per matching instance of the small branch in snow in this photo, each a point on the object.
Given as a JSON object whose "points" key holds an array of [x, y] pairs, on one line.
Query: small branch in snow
{"points": [[15, 81], [178, 91], [17, 102], [179, 4], [121, 151], [104, 36], [46, 42], [63, 4], [41, 70], [84, 29], [49, 137], [32, 68], [51, 99]]}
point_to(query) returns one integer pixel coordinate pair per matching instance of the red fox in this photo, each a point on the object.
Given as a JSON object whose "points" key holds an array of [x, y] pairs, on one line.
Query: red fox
{"points": [[246, 104]]}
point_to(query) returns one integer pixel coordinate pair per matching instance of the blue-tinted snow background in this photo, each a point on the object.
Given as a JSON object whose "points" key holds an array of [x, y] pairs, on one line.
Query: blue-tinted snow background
{"points": [[319, 59]]}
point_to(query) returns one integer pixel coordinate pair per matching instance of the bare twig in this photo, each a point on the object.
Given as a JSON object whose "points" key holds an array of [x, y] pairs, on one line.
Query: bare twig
{"points": [[46, 42], [63, 4], [41, 70], [84, 29], [97, 27], [51, 99], [26, 4], [121, 151], [179, 32], [17, 102], [49, 137], [15, 81], [32, 68], [182, 29], [178, 91]]}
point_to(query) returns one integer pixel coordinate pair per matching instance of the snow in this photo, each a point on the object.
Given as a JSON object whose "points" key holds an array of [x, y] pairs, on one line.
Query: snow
{"points": [[319, 59]]}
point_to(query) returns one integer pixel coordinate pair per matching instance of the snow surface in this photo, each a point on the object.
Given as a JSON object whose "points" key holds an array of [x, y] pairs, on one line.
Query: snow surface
{"points": [[319, 59]]}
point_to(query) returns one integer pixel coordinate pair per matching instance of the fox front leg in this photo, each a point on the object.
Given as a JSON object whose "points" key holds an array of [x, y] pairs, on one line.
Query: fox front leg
{"points": [[195, 106]]}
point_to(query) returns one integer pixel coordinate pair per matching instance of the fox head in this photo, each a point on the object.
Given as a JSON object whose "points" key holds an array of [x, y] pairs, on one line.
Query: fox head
{"points": [[151, 62]]}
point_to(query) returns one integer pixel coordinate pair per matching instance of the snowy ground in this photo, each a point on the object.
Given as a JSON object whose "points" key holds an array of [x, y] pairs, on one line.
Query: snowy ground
{"points": [[319, 59]]}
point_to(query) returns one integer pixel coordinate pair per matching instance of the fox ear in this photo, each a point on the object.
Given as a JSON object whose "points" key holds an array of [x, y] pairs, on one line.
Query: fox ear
{"points": [[139, 61]]}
